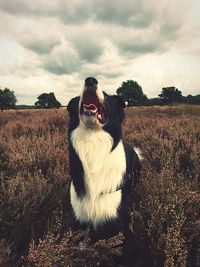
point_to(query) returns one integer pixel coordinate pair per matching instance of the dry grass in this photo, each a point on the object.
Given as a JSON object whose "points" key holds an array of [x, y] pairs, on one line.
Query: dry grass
{"points": [[165, 220]]}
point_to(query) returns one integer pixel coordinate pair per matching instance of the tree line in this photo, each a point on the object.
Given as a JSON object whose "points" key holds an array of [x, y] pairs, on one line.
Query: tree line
{"points": [[133, 95], [130, 91], [46, 100]]}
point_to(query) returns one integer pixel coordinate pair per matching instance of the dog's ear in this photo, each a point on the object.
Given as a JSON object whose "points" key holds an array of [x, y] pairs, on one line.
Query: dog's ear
{"points": [[120, 101], [72, 106]]}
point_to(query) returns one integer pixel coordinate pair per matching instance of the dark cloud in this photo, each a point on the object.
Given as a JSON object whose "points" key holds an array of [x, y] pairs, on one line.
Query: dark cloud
{"points": [[88, 48], [155, 39], [15, 7], [123, 12], [27, 8], [74, 13], [169, 30], [134, 48], [134, 27], [41, 47], [67, 11], [62, 60], [69, 36]]}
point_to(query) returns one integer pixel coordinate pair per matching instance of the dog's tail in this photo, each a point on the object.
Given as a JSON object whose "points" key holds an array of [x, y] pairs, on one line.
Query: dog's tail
{"points": [[139, 153]]}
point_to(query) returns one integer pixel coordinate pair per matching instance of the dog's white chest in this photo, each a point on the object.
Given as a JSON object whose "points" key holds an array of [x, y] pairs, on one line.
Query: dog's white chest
{"points": [[103, 173]]}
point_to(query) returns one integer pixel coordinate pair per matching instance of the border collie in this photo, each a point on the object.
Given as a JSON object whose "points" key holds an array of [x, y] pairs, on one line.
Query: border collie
{"points": [[102, 166]]}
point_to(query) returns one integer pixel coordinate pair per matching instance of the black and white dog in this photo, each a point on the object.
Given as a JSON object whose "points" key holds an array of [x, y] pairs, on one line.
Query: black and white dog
{"points": [[102, 166]]}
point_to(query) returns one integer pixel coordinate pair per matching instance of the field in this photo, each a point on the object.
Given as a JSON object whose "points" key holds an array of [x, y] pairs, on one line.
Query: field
{"points": [[34, 200]]}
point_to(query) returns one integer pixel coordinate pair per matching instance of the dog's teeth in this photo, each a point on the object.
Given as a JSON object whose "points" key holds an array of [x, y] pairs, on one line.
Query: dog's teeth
{"points": [[93, 110]]}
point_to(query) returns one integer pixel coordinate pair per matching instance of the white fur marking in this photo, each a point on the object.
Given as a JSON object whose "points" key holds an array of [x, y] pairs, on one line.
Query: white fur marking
{"points": [[139, 153], [103, 171], [100, 94]]}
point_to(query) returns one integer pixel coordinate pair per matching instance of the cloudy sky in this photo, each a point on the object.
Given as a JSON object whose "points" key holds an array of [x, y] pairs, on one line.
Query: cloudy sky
{"points": [[52, 46]]}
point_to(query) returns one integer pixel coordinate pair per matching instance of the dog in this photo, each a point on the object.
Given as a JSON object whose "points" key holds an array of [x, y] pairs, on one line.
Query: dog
{"points": [[103, 167]]}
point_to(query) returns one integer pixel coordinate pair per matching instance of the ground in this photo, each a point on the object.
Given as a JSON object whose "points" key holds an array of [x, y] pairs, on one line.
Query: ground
{"points": [[34, 179]]}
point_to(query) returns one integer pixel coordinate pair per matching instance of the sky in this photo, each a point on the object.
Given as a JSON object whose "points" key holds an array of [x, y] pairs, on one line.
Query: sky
{"points": [[52, 46]]}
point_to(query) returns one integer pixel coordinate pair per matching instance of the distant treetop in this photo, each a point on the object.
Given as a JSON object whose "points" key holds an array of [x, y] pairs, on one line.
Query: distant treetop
{"points": [[171, 95], [131, 92], [7, 99], [46, 100]]}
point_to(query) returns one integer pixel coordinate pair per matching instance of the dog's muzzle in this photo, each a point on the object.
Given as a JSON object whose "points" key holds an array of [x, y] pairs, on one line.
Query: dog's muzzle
{"points": [[91, 105]]}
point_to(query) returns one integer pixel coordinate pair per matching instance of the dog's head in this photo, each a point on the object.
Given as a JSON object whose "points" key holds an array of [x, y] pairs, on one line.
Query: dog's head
{"points": [[94, 108]]}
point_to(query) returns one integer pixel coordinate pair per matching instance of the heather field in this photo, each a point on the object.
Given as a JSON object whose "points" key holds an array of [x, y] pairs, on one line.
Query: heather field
{"points": [[34, 201]]}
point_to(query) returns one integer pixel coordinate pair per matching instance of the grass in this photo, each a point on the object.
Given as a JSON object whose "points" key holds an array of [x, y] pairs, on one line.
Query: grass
{"points": [[34, 200]]}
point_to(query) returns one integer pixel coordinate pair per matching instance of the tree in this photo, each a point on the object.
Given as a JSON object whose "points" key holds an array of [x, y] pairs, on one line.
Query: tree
{"points": [[193, 100], [47, 101], [131, 92], [154, 102], [170, 95], [7, 99]]}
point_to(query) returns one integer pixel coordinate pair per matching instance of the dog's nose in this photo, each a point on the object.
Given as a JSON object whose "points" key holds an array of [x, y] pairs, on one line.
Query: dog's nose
{"points": [[91, 83]]}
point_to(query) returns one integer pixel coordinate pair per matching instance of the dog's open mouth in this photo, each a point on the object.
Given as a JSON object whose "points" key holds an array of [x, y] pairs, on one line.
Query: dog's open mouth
{"points": [[91, 106]]}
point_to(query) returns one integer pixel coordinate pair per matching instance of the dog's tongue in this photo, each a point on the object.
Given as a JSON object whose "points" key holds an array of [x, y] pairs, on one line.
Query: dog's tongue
{"points": [[90, 107]]}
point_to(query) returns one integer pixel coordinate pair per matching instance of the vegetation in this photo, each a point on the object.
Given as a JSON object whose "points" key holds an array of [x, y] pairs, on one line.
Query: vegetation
{"points": [[131, 92], [47, 101], [194, 100], [34, 199], [24, 107], [170, 95], [7, 99]]}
